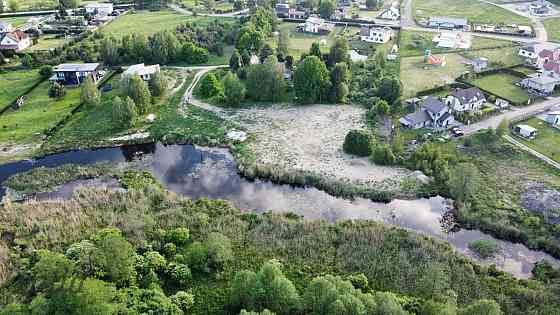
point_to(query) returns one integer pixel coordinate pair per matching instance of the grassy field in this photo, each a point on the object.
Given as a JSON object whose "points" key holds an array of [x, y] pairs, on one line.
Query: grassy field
{"points": [[413, 43], [48, 42], [16, 21], [147, 22], [547, 141], [27, 125], [26, 5], [553, 29], [474, 10], [15, 83], [503, 85], [498, 58]]}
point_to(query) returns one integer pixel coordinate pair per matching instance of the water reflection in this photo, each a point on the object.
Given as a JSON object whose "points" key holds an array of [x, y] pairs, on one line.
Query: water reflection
{"points": [[211, 173]]}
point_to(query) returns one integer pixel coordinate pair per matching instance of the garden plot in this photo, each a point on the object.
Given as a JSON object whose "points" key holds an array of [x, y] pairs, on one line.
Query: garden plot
{"points": [[310, 138]]}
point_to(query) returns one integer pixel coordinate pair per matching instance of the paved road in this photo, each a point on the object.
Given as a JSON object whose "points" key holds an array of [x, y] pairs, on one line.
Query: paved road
{"points": [[518, 112], [537, 154]]}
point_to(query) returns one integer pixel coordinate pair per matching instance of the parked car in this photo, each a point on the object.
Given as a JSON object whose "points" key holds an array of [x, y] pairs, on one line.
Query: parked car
{"points": [[457, 132]]}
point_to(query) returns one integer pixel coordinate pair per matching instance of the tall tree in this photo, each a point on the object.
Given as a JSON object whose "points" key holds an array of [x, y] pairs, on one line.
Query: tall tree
{"points": [[327, 8], [90, 94], [265, 82], [235, 61], [283, 43], [124, 113], [234, 91], [339, 52], [340, 76], [389, 90], [312, 81], [158, 84], [315, 50], [138, 91]]}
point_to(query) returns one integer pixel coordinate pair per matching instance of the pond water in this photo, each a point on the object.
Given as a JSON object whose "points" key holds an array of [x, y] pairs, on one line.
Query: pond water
{"points": [[195, 173]]}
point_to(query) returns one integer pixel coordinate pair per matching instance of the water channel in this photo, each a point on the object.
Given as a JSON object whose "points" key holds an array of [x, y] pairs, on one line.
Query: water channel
{"points": [[200, 172]]}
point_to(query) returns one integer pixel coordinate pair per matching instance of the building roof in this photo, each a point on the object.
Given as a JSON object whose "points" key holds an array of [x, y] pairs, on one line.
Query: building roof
{"points": [[366, 30], [393, 10], [448, 20], [527, 128], [5, 24], [315, 20], [417, 117], [466, 95], [552, 66], [99, 5], [76, 67], [16, 35], [556, 113], [141, 69], [433, 105], [544, 79]]}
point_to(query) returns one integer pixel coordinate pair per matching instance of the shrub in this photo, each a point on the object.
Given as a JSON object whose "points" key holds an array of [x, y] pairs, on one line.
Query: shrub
{"points": [[210, 86], [484, 248], [57, 90], [46, 71], [383, 155], [358, 142]]}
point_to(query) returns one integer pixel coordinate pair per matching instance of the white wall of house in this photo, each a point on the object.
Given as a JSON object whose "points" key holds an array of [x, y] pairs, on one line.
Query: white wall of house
{"points": [[377, 36], [472, 105]]}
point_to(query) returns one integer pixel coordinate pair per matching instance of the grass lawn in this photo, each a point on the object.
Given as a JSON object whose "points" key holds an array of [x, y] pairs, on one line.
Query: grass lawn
{"points": [[475, 11], [25, 5], [547, 141], [27, 125], [16, 21], [553, 29], [48, 42], [498, 58], [416, 76], [148, 22], [413, 43], [503, 85], [15, 83]]}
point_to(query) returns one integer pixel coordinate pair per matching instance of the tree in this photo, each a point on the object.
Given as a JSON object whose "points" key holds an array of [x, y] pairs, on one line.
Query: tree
{"points": [[211, 255], [68, 4], [56, 90], [2, 6], [265, 82], [436, 308], [389, 89], [266, 51], [387, 304], [51, 270], [339, 52], [358, 142], [235, 61], [311, 81], [267, 289], [373, 4], [210, 86], [234, 90], [382, 108], [193, 54], [482, 307], [327, 8], [264, 20], [463, 182], [503, 128], [90, 94], [283, 43], [183, 300], [13, 5], [249, 38], [46, 71], [178, 236], [110, 51], [158, 84], [315, 50], [383, 155], [165, 47], [340, 77], [138, 91], [27, 61]]}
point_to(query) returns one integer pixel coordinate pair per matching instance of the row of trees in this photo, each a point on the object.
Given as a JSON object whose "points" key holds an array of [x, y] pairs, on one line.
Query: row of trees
{"points": [[269, 291]]}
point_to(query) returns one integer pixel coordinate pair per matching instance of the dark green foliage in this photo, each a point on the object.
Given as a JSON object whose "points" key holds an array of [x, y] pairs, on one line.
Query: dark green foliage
{"points": [[383, 155], [327, 8], [358, 142], [389, 90], [45, 71], [235, 61], [56, 90], [138, 90], [373, 4], [544, 271], [265, 52], [483, 307], [315, 50], [210, 86], [265, 82], [211, 255], [432, 161], [27, 61], [193, 54], [340, 77], [339, 52], [158, 84], [234, 90], [312, 81], [484, 248]]}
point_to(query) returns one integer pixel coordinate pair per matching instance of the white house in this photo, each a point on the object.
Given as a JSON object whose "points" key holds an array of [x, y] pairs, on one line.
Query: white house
{"points": [[145, 72], [553, 118], [99, 9], [16, 41], [356, 57], [471, 99], [5, 27], [453, 40], [317, 25], [391, 13], [526, 131], [376, 34]]}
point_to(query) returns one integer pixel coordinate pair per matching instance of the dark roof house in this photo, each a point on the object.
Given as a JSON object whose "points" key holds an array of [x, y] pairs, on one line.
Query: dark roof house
{"points": [[465, 96], [433, 105]]}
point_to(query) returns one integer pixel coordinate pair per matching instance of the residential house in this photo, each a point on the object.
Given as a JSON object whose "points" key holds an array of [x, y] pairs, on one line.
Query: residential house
{"points": [[391, 13], [356, 57], [341, 13], [448, 23], [76, 73], [99, 9], [461, 100], [5, 27], [145, 72], [553, 118], [433, 114], [376, 34], [16, 41], [282, 9], [296, 14], [453, 40], [526, 131], [532, 51], [540, 8], [541, 83], [317, 25], [479, 64]]}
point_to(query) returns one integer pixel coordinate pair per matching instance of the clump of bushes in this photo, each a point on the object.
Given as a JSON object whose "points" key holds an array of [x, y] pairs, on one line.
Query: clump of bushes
{"points": [[484, 248], [358, 142]]}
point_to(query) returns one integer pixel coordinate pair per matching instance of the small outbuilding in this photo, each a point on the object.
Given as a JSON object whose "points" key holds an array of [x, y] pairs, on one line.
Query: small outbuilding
{"points": [[526, 131], [553, 118]]}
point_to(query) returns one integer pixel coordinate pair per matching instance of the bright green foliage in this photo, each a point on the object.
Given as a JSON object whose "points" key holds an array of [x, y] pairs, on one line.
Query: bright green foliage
{"points": [[383, 155], [358, 142], [382, 108], [57, 90], [333, 295], [183, 300], [210, 86], [463, 182], [250, 39], [266, 289], [265, 83], [264, 312], [14, 309], [51, 270], [148, 301], [434, 308], [482, 307], [264, 20], [138, 91], [165, 47], [155, 261], [27, 61], [312, 81], [387, 304], [158, 84], [178, 236], [124, 113], [339, 51], [340, 77], [193, 54], [234, 90], [90, 94], [179, 273], [389, 90], [211, 255], [430, 160], [327, 8], [484, 248]]}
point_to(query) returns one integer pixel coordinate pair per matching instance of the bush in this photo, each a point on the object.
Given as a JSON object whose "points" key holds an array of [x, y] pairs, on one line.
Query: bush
{"points": [[46, 71], [210, 86], [358, 142], [484, 248], [383, 155], [57, 90]]}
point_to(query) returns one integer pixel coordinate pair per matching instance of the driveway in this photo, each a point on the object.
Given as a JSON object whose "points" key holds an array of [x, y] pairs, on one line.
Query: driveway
{"points": [[518, 112]]}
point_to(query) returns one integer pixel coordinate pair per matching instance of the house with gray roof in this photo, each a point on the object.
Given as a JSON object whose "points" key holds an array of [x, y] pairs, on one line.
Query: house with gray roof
{"points": [[76, 73], [432, 114], [449, 23], [466, 100]]}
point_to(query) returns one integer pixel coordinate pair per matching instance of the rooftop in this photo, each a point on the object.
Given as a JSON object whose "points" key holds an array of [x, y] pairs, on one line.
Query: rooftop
{"points": [[75, 67], [448, 20], [465, 95], [433, 105]]}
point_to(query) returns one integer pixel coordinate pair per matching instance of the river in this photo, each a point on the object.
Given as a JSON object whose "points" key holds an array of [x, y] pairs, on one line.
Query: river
{"points": [[201, 172]]}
